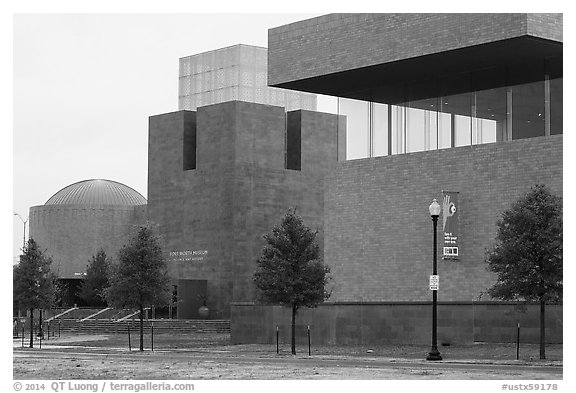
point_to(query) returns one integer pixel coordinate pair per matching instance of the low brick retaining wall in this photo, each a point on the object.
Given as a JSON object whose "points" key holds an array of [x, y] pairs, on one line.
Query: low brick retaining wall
{"points": [[401, 323]]}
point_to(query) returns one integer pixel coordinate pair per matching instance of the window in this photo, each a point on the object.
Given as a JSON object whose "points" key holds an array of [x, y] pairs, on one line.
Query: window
{"points": [[483, 106], [528, 114], [294, 140], [380, 129], [357, 127], [189, 142]]}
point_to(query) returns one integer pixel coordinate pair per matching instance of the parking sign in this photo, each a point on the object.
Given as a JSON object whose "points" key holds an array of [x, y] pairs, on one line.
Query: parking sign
{"points": [[434, 282]]}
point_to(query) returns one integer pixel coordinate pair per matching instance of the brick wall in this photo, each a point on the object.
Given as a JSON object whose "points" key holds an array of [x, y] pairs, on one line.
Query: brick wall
{"points": [[378, 232], [340, 42], [397, 323], [239, 190], [72, 234]]}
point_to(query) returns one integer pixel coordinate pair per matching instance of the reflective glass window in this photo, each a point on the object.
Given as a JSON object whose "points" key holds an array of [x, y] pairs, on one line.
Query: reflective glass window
{"points": [[445, 125], [357, 127], [415, 129], [380, 129], [398, 129], [489, 124], [419, 125], [528, 112], [462, 130], [459, 108], [484, 106], [556, 102], [422, 125]]}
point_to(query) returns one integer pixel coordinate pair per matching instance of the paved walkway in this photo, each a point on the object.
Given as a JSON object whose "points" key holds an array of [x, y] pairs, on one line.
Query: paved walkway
{"points": [[59, 345]]}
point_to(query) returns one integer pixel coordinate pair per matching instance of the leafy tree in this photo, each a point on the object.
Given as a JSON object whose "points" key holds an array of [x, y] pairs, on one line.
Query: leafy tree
{"points": [[140, 278], [33, 282], [290, 271], [96, 280], [527, 255]]}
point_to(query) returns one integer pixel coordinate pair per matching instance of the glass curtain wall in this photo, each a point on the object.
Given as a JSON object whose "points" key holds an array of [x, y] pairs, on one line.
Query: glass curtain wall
{"points": [[380, 127], [357, 127], [479, 107], [554, 94], [556, 103], [528, 114]]}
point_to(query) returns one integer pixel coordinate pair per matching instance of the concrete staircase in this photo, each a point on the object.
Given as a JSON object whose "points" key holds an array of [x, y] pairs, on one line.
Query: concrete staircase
{"points": [[173, 326]]}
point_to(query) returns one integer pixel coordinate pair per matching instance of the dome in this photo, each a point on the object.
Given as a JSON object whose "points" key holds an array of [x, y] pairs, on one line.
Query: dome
{"points": [[97, 192]]}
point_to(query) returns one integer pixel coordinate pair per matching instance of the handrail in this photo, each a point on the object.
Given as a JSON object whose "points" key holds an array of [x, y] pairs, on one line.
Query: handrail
{"points": [[62, 313], [96, 313], [131, 315]]}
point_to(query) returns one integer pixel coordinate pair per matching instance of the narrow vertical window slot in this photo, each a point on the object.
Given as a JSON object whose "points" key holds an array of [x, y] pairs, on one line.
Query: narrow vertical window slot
{"points": [[294, 140], [189, 145]]}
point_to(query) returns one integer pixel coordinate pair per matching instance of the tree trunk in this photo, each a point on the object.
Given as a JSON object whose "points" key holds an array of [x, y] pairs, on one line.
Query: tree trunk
{"points": [[141, 327], [542, 328], [294, 329], [31, 327]]}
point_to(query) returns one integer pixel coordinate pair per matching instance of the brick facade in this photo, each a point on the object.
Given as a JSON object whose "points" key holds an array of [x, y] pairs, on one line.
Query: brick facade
{"points": [[394, 323], [340, 42], [378, 230], [377, 241], [72, 234], [239, 190]]}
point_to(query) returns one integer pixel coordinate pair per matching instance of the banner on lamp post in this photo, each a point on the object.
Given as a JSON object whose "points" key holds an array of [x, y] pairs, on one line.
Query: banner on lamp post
{"points": [[450, 213]]}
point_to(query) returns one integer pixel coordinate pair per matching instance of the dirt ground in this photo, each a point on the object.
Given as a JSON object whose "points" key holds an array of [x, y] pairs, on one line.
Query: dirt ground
{"points": [[211, 357]]}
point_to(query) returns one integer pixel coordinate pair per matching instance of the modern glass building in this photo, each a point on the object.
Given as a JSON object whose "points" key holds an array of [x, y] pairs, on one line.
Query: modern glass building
{"points": [[237, 72]]}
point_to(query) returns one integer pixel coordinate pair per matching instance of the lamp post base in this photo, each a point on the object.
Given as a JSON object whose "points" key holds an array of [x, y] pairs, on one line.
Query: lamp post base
{"points": [[434, 354]]}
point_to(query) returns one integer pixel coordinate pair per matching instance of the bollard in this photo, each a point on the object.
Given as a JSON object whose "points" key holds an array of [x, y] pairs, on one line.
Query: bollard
{"points": [[518, 341], [152, 336], [309, 350], [277, 346], [129, 344]]}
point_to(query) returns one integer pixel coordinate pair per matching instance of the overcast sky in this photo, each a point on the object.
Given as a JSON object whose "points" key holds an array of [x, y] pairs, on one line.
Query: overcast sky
{"points": [[85, 85]]}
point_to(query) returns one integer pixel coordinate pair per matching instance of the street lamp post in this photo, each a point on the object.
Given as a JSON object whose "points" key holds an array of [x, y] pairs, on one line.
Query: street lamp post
{"points": [[434, 354], [23, 222]]}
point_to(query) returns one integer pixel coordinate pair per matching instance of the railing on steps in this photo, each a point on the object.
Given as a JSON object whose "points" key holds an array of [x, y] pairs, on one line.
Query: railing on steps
{"points": [[131, 315], [96, 314], [62, 314], [172, 326]]}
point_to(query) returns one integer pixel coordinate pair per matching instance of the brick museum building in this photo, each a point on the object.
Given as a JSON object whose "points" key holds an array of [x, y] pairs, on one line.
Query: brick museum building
{"points": [[460, 106], [463, 108], [81, 219]]}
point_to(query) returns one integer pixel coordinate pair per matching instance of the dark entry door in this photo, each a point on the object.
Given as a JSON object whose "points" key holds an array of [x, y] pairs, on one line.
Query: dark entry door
{"points": [[191, 295]]}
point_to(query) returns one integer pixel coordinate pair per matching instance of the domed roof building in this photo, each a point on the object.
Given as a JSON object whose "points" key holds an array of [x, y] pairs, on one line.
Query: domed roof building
{"points": [[83, 218], [97, 192]]}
